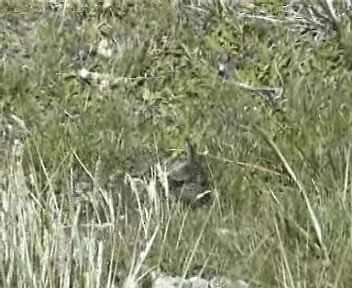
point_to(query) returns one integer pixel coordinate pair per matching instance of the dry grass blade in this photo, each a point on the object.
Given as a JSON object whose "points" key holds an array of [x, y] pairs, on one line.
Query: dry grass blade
{"points": [[313, 218], [199, 238], [286, 267], [132, 280], [88, 87]]}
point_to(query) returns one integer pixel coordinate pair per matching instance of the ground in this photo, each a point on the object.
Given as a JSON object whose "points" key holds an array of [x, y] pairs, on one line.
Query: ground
{"points": [[95, 101]]}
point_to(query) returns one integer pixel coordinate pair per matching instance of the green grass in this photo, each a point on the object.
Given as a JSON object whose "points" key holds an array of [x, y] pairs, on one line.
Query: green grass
{"points": [[281, 215]]}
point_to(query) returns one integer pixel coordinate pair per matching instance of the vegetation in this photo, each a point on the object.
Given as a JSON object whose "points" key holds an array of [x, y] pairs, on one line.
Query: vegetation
{"points": [[83, 192]]}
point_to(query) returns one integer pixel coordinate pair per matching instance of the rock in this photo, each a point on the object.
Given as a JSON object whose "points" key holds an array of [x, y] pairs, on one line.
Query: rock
{"points": [[165, 281]]}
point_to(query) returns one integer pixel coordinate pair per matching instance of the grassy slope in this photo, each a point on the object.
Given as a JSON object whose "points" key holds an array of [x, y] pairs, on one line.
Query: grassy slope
{"points": [[259, 227]]}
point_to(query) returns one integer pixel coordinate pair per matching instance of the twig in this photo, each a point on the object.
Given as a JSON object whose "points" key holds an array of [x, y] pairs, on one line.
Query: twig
{"points": [[272, 93], [249, 165]]}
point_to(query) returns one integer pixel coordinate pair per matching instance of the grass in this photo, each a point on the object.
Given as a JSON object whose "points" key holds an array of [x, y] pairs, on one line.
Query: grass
{"points": [[84, 197]]}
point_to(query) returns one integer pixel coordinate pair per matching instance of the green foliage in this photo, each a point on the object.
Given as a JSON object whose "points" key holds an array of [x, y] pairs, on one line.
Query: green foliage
{"points": [[170, 70]]}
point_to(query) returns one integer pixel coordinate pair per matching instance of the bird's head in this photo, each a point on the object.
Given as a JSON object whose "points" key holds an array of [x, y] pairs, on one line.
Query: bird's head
{"points": [[191, 149]]}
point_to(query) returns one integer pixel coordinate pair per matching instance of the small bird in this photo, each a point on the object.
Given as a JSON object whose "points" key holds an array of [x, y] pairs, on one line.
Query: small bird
{"points": [[192, 191], [187, 169], [187, 177], [225, 65]]}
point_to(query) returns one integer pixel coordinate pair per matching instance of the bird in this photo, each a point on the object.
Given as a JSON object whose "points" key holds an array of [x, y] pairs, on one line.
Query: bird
{"points": [[225, 65], [191, 192], [187, 169], [187, 177]]}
